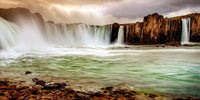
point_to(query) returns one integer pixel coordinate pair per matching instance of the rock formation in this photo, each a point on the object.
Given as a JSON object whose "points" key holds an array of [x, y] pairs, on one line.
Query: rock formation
{"points": [[19, 15], [115, 30], [155, 29], [13, 14]]}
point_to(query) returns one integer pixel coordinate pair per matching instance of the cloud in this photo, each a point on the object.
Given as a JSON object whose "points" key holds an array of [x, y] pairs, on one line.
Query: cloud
{"points": [[103, 11], [139, 8], [70, 11], [183, 12]]}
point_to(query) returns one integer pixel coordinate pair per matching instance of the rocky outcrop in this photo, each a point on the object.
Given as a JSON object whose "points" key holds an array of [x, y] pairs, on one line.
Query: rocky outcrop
{"points": [[155, 29], [133, 33], [13, 14], [115, 30], [21, 15]]}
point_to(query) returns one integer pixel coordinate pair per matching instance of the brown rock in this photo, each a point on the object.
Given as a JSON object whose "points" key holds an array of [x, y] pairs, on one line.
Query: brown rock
{"points": [[4, 98], [28, 72], [133, 33], [55, 86], [158, 30], [114, 33], [19, 15], [3, 83], [39, 82], [12, 14], [176, 44], [153, 95]]}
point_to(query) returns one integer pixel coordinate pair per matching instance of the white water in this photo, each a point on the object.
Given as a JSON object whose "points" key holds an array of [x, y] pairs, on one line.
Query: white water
{"points": [[185, 31], [29, 34], [78, 34], [120, 37], [8, 34]]}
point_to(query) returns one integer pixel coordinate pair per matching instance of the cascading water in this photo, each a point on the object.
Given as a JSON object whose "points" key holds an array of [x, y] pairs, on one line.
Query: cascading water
{"points": [[78, 34], [120, 38], [28, 34], [185, 31], [8, 34]]}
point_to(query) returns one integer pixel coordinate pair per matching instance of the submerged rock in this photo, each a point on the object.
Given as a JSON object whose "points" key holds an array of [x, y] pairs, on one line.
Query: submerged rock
{"points": [[176, 44], [28, 72], [153, 95], [39, 82], [162, 45], [55, 86], [126, 47]]}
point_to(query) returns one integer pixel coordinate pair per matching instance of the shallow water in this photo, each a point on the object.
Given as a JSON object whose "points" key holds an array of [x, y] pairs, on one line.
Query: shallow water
{"points": [[167, 71]]}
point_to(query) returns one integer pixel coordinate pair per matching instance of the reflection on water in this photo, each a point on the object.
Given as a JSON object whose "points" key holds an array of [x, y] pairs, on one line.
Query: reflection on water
{"points": [[168, 71]]}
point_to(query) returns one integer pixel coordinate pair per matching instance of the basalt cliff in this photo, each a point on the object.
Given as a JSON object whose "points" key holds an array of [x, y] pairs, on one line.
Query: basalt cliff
{"points": [[155, 29]]}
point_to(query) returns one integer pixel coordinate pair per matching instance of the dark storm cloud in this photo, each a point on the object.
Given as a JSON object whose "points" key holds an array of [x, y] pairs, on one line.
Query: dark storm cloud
{"points": [[140, 8], [186, 3]]}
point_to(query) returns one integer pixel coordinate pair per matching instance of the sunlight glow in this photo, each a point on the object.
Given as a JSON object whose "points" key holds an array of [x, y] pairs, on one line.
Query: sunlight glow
{"points": [[82, 9], [9, 2], [182, 12]]}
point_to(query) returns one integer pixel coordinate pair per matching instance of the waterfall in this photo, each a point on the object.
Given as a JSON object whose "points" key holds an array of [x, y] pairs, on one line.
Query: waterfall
{"points": [[120, 38], [8, 34], [78, 34], [185, 31], [33, 34]]}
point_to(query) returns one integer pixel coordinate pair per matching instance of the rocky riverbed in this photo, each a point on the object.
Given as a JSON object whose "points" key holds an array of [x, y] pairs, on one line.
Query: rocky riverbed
{"points": [[42, 90], [62, 91]]}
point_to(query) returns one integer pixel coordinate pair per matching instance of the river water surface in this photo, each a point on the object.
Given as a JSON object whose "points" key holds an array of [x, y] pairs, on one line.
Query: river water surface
{"points": [[170, 71]]}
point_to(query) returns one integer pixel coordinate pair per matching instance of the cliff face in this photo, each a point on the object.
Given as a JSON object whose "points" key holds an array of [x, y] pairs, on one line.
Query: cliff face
{"points": [[21, 16], [158, 30], [13, 14], [195, 27], [133, 32], [115, 30]]}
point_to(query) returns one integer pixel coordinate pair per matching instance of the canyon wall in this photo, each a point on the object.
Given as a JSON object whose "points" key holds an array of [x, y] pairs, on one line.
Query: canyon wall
{"points": [[155, 29]]}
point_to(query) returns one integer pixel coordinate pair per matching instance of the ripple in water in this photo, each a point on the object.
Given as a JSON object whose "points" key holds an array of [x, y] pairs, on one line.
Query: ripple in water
{"points": [[167, 71]]}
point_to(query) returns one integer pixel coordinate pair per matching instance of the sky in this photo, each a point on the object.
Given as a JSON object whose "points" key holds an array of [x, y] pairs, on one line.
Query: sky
{"points": [[104, 11]]}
